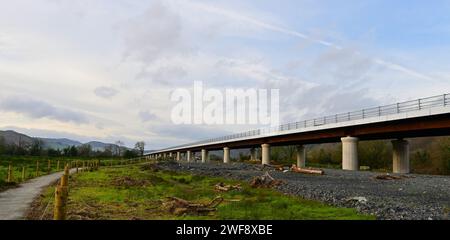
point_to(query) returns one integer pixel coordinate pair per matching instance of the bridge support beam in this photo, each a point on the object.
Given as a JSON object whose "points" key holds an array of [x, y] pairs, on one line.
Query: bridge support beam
{"points": [[265, 153], [253, 154], [301, 156], [188, 156], [178, 156], [400, 158], [205, 156], [350, 153], [226, 155]]}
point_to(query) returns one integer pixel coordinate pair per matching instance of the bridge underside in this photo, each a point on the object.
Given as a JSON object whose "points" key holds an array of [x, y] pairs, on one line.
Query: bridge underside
{"points": [[436, 125]]}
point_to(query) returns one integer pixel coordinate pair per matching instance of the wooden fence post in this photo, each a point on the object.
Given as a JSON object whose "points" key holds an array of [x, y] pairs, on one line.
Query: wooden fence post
{"points": [[37, 168], [57, 166], [49, 166], [61, 196], [23, 174], [10, 174]]}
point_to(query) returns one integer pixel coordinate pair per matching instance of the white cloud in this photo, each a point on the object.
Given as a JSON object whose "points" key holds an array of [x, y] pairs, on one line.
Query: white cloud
{"points": [[61, 52], [105, 92]]}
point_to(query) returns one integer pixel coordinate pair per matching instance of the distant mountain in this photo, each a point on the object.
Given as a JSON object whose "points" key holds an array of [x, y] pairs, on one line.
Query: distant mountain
{"points": [[12, 137], [60, 143]]}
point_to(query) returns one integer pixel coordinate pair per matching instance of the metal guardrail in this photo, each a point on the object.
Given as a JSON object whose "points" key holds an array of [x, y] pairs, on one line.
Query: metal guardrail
{"points": [[401, 107]]}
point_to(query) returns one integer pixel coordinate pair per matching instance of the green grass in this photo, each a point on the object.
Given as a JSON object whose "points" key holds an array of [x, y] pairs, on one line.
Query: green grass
{"points": [[29, 163], [96, 195]]}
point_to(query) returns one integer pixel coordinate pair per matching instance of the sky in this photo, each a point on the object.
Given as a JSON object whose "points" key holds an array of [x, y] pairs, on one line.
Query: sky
{"points": [[104, 69]]}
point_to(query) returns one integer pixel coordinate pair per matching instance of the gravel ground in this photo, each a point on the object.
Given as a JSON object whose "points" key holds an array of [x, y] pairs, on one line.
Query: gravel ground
{"points": [[414, 197]]}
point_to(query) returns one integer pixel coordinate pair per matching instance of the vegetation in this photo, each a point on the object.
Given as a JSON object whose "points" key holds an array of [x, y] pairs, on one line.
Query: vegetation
{"points": [[428, 155], [37, 148], [35, 166], [136, 193]]}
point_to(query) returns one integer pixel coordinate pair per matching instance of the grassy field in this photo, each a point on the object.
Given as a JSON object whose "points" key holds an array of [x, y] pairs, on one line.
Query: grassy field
{"points": [[32, 169], [135, 192]]}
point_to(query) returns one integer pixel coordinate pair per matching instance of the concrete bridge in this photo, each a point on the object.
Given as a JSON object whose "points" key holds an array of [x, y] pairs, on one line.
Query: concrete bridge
{"points": [[417, 118]]}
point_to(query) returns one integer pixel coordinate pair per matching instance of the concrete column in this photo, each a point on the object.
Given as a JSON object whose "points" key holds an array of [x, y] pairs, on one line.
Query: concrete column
{"points": [[265, 153], [400, 150], [188, 156], [253, 156], [301, 156], [350, 153], [178, 156], [226, 155], [205, 156]]}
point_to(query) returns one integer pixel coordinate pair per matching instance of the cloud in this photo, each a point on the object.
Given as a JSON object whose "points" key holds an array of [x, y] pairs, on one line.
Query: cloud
{"points": [[157, 33], [147, 116], [243, 18], [105, 92], [40, 109], [188, 133]]}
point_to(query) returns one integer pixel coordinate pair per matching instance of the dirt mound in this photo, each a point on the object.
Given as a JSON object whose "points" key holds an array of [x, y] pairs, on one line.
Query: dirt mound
{"points": [[151, 167], [129, 182]]}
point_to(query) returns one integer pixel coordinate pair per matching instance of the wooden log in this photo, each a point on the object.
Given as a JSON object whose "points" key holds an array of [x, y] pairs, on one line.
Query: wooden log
{"points": [[294, 168]]}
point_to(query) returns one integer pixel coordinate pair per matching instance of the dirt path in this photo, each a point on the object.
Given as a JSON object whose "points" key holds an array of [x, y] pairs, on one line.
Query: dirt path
{"points": [[15, 202]]}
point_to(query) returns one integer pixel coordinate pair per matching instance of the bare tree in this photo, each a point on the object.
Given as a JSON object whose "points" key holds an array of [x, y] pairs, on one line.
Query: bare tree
{"points": [[119, 145], [140, 147]]}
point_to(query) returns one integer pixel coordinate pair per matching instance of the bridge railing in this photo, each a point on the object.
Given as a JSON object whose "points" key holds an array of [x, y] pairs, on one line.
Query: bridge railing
{"points": [[401, 107]]}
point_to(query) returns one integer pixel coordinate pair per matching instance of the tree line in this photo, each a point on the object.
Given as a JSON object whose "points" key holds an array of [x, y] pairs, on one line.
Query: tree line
{"points": [[427, 155], [37, 148]]}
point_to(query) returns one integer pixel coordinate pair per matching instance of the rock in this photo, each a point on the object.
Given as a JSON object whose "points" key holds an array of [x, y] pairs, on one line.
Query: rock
{"points": [[357, 199]]}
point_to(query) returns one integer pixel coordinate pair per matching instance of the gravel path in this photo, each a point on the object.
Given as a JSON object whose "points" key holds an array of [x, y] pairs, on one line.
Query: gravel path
{"points": [[16, 201], [413, 197]]}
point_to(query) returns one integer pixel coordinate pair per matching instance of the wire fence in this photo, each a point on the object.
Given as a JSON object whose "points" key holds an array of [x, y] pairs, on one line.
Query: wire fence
{"points": [[386, 110]]}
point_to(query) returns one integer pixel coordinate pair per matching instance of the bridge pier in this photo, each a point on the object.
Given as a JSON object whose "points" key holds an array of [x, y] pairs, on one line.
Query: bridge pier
{"points": [[400, 158], [178, 156], [253, 154], [188, 156], [205, 156], [265, 153], [350, 153], [226, 155], [301, 156]]}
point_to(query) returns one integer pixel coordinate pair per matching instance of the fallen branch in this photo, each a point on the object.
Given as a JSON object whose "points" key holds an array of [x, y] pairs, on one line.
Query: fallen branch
{"points": [[180, 206], [276, 167], [221, 187], [296, 169], [388, 176]]}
